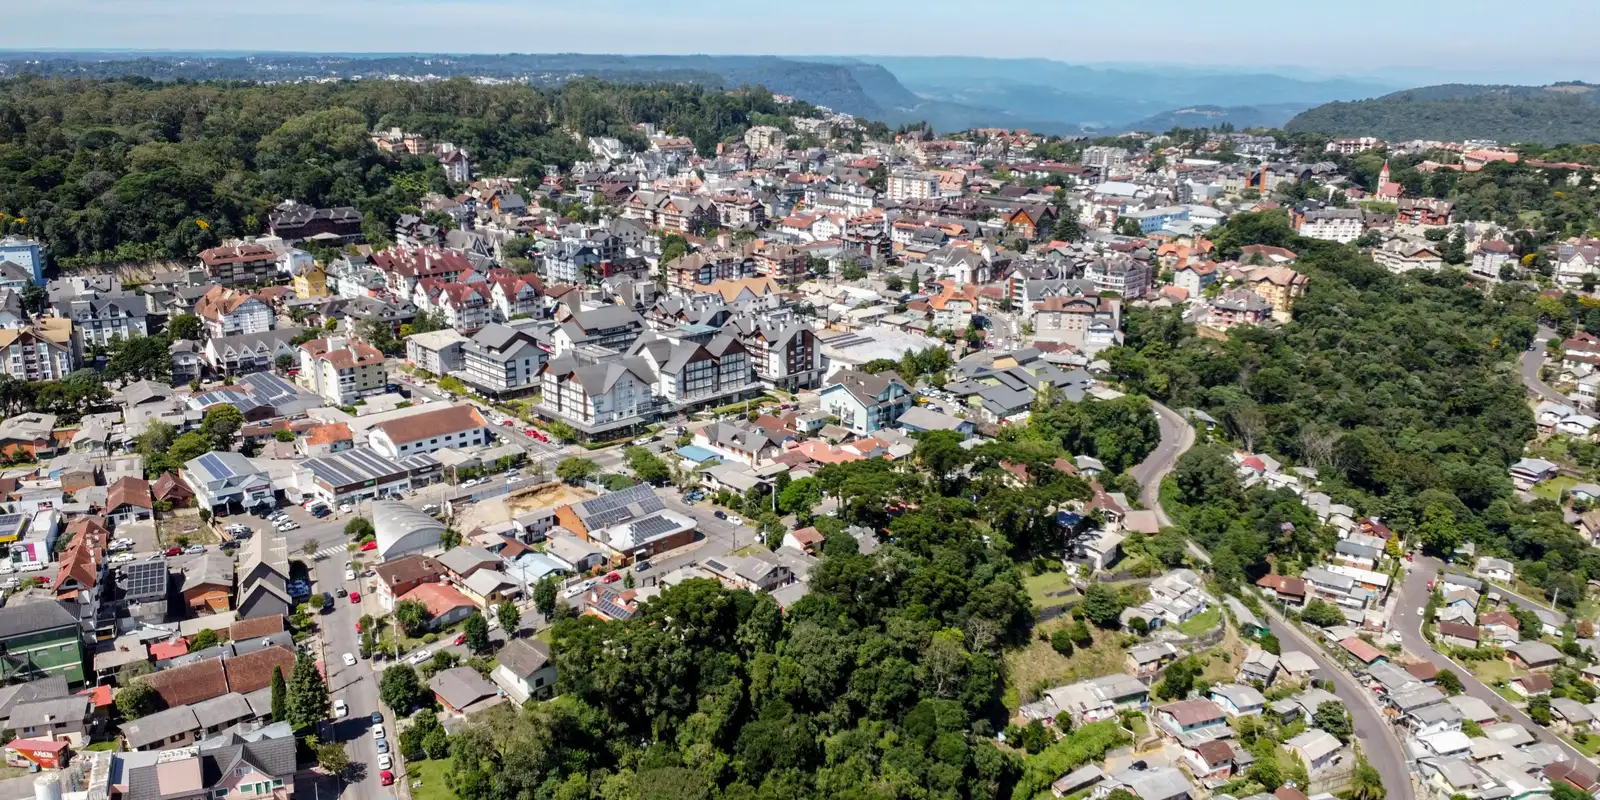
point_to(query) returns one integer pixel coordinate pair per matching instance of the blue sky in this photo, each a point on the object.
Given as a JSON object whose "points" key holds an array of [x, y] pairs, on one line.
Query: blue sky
{"points": [[1476, 37]]}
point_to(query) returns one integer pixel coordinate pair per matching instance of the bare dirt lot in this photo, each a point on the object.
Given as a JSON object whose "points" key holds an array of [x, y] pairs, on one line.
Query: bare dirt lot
{"points": [[547, 495]]}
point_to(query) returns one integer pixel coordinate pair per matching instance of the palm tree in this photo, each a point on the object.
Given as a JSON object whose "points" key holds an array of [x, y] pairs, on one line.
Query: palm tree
{"points": [[1366, 783]]}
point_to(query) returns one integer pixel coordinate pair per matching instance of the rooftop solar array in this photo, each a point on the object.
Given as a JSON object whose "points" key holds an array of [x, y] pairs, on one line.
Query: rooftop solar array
{"points": [[848, 340], [619, 507], [351, 467], [145, 578], [269, 389], [213, 465], [651, 527], [715, 565]]}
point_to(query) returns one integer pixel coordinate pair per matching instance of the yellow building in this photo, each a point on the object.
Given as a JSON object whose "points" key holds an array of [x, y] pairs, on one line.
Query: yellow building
{"points": [[310, 279]]}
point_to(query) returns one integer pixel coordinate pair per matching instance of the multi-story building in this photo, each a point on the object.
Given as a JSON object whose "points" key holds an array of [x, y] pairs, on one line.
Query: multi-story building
{"points": [[514, 296], [1239, 308], [1128, 277], [574, 261], [690, 374], [249, 352], [1351, 146], [230, 312], [1154, 219], [783, 263], [864, 402], [455, 426], [39, 352], [29, 254], [438, 352], [953, 305], [455, 163], [342, 371], [1490, 257], [613, 327], [466, 306], [1066, 319], [912, 184], [1341, 225], [1424, 212], [708, 266], [244, 264], [295, 222], [785, 356], [764, 137], [502, 359], [737, 211], [595, 398], [1106, 159], [310, 279], [1280, 286], [226, 482], [41, 638], [673, 212], [403, 268], [98, 318]]}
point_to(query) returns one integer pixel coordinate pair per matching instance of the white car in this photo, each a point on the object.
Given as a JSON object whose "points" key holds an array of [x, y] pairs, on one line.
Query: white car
{"points": [[349, 660], [378, 732], [346, 508], [420, 656], [1422, 611], [735, 519], [340, 710], [578, 588], [471, 482], [122, 558], [289, 526], [385, 761], [349, 574]]}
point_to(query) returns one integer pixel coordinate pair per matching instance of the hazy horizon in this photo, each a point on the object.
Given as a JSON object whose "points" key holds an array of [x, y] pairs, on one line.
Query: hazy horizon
{"points": [[1367, 39]]}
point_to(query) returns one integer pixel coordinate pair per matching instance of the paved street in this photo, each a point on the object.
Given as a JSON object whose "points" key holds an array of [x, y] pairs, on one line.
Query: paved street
{"points": [[1531, 361], [1177, 436], [1413, 597], [357, 685]]}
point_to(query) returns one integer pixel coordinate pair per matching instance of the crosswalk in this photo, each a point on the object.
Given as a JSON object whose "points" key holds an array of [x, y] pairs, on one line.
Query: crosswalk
{"points": [[330, 551]]}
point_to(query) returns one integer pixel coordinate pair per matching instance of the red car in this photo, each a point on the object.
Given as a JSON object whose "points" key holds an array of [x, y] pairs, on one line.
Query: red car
{"points": [[355, 597], [612, 578], [172, 551], [369, 546], [506, 422], [461, 639], [386, 778], [358, 626]]}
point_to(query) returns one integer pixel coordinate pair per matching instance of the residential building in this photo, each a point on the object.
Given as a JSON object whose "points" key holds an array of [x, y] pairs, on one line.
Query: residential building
{"points": [[630, 524], [438, 352], [227, 483], [864, 402], [309, 278], [912, 184], [342, 370], [503, 358], [398, 576], [457, 427], [1280, 286], [598, 397], [446, 604], [98, 318], [245, 264], [1490, 257], [248, 352], [689, 373], [263, 576], [128, 500], [461, 690], [1127, 277], [1341, 225], [1317, 749], [295, 222], [41, 638], [784, 356], [526, 669], [29, 254], [40, 352], [1238, 308]]}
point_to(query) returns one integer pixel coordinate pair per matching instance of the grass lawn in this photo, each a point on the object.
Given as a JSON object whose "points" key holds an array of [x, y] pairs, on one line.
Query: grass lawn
{"points": [[1551, 489], [1039, 663], [105, 746], [1044, 588], [1591, 746], [431, 773], [1491, 671], [1202, 622], [1224, 670]]}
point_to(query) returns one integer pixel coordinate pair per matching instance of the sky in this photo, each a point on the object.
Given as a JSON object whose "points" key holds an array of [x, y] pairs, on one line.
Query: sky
{"points": [[1475, 39]]}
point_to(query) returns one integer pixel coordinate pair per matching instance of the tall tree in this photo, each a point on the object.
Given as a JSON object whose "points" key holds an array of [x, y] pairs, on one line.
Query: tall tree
{"points": [[280, 696], [308, 703]]}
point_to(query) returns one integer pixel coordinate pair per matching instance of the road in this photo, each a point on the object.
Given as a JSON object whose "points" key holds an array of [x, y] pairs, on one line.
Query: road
{"points": [[1177, 436], [357, 685], [1414, 596], [1380, 744], [1531, 362]]}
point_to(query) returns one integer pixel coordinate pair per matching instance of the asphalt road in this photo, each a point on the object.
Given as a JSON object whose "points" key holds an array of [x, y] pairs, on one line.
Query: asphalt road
{"points": [[1379, 743], [1414, 596], [357, 685], [1177, 436], [1532, 360]]}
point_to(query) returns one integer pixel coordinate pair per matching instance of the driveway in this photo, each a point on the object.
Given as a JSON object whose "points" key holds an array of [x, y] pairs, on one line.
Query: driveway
{"points": [[1532, 360], [1177, 436], [1414, 595]]}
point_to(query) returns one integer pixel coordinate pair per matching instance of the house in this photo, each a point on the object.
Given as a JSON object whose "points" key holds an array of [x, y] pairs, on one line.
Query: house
{"points": [[461, 690], [1099, 549], [263, 577], [502, 358], [1363, 651], [396, 577], [1149, 659], [1211, 760], [456, 427], [231, 312], [1317, 749], [1534, 655], [1531, 685], [240, 767], [128, 500], [1459, 634], [1193, 720], [207, 584], [1146, 783], [919, 419], [1494, 569], [526, 669], [1529, 471], [169, 488], [100, 317], [739, 442], [1238, 700], [227, 483], [631, 523], [213, 677], [1289, 590], [446, 604], [1259, 665], [1090, 700], [66, 719], [864, 402]]}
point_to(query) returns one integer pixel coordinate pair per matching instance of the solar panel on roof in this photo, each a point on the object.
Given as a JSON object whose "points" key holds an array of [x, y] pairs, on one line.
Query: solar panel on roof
{"points": [[210, 463], [650, 527]]}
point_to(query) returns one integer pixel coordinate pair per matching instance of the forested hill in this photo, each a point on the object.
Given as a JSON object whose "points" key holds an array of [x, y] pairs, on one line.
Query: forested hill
{"points": [[129, 169], [1559, 113]]}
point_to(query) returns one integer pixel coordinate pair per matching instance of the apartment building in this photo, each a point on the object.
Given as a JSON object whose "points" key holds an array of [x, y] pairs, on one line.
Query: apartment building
{"points": [[864, 402], [1341, 225], [595, 398], [244, 264], [98, 318], [691, 374], [911, 184], [782, 356], [438, 352], [342, 370], [1128, 277], [230, 312], [783, 263], [503, 358], [40, 352]]}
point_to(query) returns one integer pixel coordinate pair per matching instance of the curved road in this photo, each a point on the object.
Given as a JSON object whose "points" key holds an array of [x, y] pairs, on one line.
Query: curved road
{"points": [[1380, 745], [1531, 361], [1413, 597], [1176, 438]]}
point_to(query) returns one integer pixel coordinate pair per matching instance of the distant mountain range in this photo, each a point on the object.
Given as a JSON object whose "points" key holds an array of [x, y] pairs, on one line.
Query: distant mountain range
{"points": [[949, 93], [1560, 113]]}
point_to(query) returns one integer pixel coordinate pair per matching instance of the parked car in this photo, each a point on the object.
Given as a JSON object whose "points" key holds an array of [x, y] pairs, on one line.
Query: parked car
{"points": [[369, 546], [378, 732], [355, 597], [346, 508], [349, 659], [460, 639], [383, 746], [420, 656], [641, 566], [122, 558], [720, 514], [340, 709], [349, 574], [736, 519], [172, 551], [377, 717], [386, 778], [612, 577], [385, 761], [194, 549], [342, 592]]}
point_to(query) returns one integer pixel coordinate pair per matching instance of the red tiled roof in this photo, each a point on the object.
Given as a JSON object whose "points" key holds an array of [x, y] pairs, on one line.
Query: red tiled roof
{"points": [[438, 597], [129, 491], [432, 423], [1361, 649]]}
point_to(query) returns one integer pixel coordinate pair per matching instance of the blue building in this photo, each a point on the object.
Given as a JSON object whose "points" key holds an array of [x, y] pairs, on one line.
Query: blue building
{"points": [[26, 253], [1154, 219]]}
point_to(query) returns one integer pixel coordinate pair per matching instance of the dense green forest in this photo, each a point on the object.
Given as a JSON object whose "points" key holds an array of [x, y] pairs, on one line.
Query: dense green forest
{"points": [[130, 169], [1550, 114], [1397, 389]]}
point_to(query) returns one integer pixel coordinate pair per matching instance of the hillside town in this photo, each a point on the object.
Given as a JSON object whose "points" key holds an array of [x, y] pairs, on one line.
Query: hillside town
{"points": [[316, 485]]}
